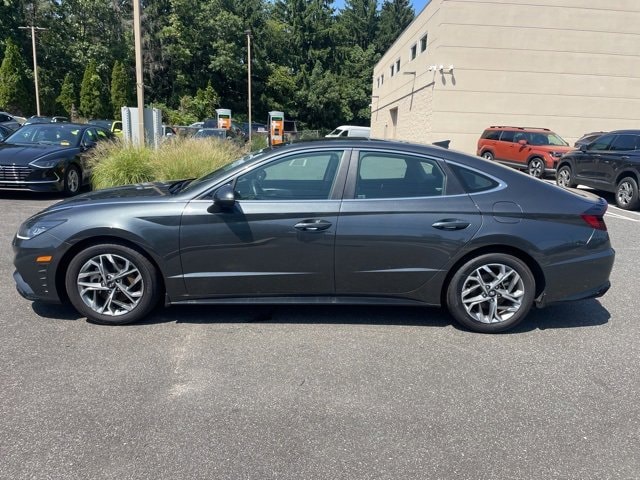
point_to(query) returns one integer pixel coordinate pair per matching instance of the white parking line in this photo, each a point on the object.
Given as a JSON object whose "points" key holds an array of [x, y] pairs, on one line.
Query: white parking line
{"points": [[622, 217]]}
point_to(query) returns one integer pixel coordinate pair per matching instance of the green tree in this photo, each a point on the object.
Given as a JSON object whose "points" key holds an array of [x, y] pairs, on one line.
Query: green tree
{"points": [[120, 89], [92, 98], [395, 16], [67, 97], [13, 81], [205, 102]]}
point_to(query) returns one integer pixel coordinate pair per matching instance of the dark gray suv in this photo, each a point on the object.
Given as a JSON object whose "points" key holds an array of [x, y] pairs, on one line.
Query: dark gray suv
{"points": [[334, 222], [610, 163]]}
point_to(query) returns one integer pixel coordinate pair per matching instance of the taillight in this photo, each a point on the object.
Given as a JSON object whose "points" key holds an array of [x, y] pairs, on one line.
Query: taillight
{"points": [[595, 221]]}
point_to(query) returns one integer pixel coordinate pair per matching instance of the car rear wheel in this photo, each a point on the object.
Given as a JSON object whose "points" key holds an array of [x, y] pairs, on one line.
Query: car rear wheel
{"points": [[536, 167], [491, 293], [112, 284], [564, 177], [72, 180], [627, 194], [487, 155]]}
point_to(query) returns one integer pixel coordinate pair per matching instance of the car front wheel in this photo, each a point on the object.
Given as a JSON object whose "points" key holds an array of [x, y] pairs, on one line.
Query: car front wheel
{"points": [[627, 194], [491, 293], [536, 167], [112, 284], [72, 180], [487, 155], [564, 177]]}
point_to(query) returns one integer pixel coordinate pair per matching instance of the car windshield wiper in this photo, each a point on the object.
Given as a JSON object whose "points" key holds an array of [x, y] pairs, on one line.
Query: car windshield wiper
{"points": [[179, 185]]}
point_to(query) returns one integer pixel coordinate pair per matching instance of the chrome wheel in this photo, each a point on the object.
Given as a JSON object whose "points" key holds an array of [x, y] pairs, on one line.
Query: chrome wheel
{"points": [[72, 181], [110, 285], [625, 193], [487, 155], [564, 178], [493, 293], [536, 168]]}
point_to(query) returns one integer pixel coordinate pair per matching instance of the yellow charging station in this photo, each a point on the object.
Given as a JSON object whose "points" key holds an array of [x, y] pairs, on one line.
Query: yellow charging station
{"points": [[224, 118], [276, 128]]}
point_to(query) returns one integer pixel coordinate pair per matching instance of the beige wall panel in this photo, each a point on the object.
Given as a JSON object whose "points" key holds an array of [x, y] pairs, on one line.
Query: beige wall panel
{"points": [[622, 5], [493, 103], [583, 86], [413, 122], [514, 40], [539, 19]]}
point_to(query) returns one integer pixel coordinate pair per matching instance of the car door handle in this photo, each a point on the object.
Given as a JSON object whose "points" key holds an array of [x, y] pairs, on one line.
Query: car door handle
{"points": [[312, 225], [451, 224], [624, 157]]}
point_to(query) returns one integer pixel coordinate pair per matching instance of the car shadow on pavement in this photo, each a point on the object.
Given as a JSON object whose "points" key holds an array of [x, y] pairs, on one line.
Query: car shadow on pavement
{"points": [[587, 313]]}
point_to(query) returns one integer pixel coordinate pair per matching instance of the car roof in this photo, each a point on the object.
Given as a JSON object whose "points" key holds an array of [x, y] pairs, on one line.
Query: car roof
{"points": [[530, 129], [633, 132]]}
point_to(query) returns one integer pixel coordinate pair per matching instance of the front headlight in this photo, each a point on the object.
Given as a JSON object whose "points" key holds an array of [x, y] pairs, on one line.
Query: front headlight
{"points": [[45, 162], [556, 154], [34, 227]]}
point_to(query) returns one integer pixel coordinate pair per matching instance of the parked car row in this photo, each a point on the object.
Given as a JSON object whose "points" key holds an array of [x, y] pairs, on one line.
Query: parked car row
{"points": [[606, 161]]}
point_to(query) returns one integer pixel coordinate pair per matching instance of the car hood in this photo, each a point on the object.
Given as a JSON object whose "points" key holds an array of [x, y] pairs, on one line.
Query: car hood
{"points": [[558, 148], [137, 193], [17, 154]]}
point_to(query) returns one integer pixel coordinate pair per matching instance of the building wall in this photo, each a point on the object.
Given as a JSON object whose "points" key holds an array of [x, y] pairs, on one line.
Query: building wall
{"points": [[569, 65]]}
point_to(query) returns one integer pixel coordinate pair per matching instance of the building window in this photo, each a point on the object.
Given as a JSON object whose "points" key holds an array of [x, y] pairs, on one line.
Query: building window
{"points": [[393, 69], [378, 85], [398, 66], [423, 43], [414, 51], [382, 79]]}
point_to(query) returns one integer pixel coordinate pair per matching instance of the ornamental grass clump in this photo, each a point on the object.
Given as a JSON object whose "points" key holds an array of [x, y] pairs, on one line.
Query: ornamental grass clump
{"points": [[115, 163]]}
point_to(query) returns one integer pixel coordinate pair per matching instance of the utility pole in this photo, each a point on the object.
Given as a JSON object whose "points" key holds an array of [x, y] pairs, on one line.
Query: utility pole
{"points": [[139, 78], [248, 33], [35, 61]]}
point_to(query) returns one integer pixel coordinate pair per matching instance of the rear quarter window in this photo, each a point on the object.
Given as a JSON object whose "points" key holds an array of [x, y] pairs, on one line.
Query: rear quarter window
{"points": [[491, 134], [472, 181]]}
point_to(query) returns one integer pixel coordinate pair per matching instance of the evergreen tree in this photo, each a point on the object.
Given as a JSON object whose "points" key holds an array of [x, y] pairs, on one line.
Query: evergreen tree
{"points": [[395, 16], [359, 20], [92, 101], [13, 80], [120, 89], [205, 102], [67, 97]]}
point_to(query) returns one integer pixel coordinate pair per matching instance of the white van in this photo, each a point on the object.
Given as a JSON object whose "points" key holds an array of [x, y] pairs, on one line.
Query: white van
{"points": [[350, 131]]}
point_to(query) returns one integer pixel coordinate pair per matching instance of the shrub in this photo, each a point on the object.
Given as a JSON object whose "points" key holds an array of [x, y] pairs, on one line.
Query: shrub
{"points": [[117, 164]]}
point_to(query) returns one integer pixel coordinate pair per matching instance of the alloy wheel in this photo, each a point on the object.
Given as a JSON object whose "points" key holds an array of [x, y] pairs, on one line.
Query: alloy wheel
{"points": [[625, 193], [536, 167], [493, 293], [110, 284]]}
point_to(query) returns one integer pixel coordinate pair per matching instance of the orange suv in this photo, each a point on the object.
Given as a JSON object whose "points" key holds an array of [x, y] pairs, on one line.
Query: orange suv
{"points": [[536, 150]]}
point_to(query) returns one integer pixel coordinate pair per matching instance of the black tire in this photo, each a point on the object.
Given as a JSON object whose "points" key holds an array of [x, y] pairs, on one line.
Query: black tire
{"points": [[72, 180], [128, 293], [564, 177], [492, 310], [487, 155], [535, 167], [627, 194]]}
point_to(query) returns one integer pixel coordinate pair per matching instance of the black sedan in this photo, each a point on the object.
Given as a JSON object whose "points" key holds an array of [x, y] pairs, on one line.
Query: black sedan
{"points": [[48, 157], [335, 222], [610, 163]]}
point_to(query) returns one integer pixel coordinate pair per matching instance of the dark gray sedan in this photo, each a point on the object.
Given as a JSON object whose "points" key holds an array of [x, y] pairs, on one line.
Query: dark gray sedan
{"points": [[349, 222]]}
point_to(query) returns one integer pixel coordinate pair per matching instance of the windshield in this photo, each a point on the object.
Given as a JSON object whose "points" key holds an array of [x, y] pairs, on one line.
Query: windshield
{"points": [[226, 168], [335, 133], [47, 134], [210, 132]]}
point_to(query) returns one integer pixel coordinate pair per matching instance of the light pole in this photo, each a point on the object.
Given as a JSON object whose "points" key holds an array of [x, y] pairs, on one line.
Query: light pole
{"points": [[139, 78], [248, 33], [35, 61]]}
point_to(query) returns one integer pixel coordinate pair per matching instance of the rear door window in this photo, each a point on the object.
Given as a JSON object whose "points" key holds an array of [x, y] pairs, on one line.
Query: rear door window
{"points": [[507, 136], [602, 143]]}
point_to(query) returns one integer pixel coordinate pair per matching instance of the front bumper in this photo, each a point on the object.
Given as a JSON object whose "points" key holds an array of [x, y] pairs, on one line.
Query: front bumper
{"points": [[30, 178]]}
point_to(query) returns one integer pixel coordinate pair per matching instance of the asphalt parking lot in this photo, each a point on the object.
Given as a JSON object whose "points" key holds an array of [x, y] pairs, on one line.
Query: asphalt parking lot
{"points": [[320, 392]]}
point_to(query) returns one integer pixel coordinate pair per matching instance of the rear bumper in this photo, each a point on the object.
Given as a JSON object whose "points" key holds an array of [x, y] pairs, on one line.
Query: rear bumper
{"points": [[578, 279]]}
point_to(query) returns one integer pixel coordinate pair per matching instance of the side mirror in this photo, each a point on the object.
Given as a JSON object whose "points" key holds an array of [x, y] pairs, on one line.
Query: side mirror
{"points": [[522, 142], [224, 197], [88, 145], [583, 148]]}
